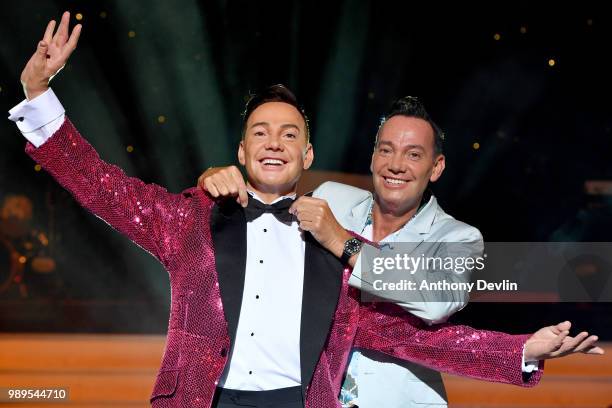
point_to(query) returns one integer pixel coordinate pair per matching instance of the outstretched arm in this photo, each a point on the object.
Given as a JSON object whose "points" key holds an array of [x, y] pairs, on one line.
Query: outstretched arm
{"points": [[143, 212], [463, 350], [146, 213]]}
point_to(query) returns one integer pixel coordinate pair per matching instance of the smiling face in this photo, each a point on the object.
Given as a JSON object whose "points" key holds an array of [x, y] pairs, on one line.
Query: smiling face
{"points": [[274, 149], [403, 163]]}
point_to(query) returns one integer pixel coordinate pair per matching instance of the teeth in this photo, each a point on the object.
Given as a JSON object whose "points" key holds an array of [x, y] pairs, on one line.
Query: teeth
{"points": [[272, 161], [395, 181]]}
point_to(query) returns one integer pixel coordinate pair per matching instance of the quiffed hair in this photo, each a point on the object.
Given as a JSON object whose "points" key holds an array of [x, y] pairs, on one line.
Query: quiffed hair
{"points": [[412, 107], [274, 93]]}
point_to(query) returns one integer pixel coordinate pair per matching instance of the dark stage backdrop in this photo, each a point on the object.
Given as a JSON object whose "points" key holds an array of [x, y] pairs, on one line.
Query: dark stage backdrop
{"points": [[522, 90]]}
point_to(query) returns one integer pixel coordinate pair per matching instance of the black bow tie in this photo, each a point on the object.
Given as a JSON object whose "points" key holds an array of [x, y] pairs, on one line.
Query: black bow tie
{"points": [[280, 210]]}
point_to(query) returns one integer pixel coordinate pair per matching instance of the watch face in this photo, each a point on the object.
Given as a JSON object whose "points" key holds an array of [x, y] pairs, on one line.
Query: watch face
{"points": [[352, 246]]}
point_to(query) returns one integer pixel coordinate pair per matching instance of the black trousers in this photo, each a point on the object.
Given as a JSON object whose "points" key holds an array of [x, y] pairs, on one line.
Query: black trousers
{"points": [[281, 398]]}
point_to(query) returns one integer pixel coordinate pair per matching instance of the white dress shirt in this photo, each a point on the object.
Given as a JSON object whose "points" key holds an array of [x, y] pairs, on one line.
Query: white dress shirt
{"points": [[266, 353]]}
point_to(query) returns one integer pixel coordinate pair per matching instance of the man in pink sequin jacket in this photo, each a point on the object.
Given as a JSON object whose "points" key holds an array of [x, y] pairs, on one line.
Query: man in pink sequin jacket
{"points": [[312, 322]]}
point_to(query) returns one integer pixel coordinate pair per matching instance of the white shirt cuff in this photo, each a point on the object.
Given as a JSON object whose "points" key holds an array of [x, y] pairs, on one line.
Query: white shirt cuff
{"points": [[39, 118], [528, 366]]}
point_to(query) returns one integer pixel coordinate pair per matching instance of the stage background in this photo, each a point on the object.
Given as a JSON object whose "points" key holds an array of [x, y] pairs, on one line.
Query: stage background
{"points": [[521, 89]]}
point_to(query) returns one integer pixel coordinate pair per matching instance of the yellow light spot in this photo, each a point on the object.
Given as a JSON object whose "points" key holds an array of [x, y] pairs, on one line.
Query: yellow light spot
{"points": [[0, 89], [43, 239], [130, 148], [590, 21], [22, 259], [161, 119], [103, 14], [497, 37], [132, 34], [551, 62], [523, 30], [38, 167], [79, 16], [476, 146]]}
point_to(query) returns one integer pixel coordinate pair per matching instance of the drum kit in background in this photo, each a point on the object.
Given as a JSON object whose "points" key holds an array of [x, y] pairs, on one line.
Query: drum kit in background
{"points": [[26, 265]]}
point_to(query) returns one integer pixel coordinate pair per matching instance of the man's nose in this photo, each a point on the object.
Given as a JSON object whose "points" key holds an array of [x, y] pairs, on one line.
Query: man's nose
{"points": [[274, 143], [397, 164]]}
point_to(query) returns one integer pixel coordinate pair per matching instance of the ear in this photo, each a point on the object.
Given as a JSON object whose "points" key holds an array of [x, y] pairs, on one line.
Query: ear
{"points": [[241, 155], [308, 156], [439, 165], [372, 161]]}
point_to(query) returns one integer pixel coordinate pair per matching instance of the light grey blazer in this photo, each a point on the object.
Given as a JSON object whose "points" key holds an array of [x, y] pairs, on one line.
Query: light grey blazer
{"points": [[383, 381]]}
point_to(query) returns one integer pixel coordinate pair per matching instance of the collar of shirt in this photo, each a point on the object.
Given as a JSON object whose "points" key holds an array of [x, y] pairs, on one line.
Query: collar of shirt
{"points": [[255, 196]]}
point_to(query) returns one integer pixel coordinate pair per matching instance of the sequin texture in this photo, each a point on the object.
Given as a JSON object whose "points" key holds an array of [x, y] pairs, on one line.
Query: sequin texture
{"points": [[175, 228]]}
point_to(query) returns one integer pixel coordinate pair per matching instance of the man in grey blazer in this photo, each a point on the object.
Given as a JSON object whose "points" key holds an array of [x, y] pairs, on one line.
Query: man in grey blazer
{"points": [[407, 157]]}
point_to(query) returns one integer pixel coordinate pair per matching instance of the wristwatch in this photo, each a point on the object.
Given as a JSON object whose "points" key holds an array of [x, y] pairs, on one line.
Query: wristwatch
{"points": [[351, 247]]}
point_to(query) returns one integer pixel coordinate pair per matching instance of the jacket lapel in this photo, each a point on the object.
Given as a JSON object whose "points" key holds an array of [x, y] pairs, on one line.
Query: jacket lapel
{"points": [[424, 219], [322, 284], [358, 216], [228, 230]]}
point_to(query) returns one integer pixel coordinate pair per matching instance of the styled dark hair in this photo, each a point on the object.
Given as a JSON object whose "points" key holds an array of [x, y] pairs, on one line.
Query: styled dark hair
{"points": [[274, 93], [412, 107]]}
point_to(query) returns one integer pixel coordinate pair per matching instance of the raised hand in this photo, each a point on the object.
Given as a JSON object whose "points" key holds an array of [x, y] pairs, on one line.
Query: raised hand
{"points": [[221, 182], [554, 341], [50, 57]]}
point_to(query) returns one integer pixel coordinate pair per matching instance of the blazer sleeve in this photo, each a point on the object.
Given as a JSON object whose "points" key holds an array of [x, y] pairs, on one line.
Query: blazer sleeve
{"points": [[431, 306], [146, 213], [454, 349], [434, 306]]}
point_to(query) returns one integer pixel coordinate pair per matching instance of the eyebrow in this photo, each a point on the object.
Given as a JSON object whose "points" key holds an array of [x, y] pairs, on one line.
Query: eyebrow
{"points": [[284, 126], [410, 146]]}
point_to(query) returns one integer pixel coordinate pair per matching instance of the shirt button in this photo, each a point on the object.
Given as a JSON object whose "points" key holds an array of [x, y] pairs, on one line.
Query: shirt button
{"points": [[223, 352], [265, 230], [252, 334], [256, 296], [250, 372], [261, 261], [20, 119]]}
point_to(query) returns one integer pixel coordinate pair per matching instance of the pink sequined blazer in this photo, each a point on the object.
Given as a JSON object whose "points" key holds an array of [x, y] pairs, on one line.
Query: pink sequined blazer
{"points": [[203, 248]]}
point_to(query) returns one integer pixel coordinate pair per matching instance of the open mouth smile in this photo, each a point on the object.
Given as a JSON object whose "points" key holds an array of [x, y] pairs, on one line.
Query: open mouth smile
{"points": [[395, 181], [272, 163]]}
